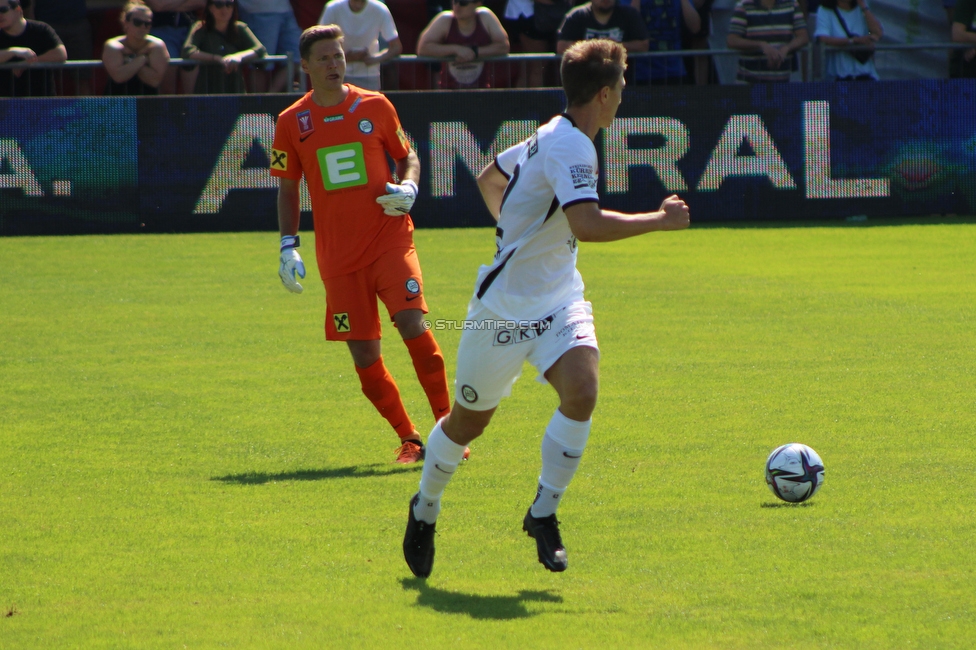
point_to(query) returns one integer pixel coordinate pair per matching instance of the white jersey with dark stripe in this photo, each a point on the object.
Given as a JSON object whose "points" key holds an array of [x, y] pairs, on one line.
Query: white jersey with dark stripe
{"points": [[534, 271]]}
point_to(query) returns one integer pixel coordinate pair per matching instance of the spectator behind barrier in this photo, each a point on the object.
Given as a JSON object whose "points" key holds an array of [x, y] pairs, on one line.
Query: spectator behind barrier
{"points": [[363, 22], [534, 25], [221, 39], [844, 23], [466, 34], [962, 63], [274, 25], [768, 32], [701, 67], [307, 12], [31, 41], [719, 19], [604, 19], [171, 24], [69, 18], [664, 20], [135, 62]]}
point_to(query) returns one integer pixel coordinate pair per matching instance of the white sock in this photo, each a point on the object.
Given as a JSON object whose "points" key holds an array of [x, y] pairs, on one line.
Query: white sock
{"points": [[562, 448], [441, 459]]}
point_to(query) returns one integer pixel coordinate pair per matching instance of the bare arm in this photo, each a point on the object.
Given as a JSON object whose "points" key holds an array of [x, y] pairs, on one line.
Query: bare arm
{"points": [[392, 51], [591, 223], [736, 42], [492, 183], [17, 52], [637, 46], [430, 41], [499, 38], [875, 31], [961, 35], [690, 16], [408, 168], [800, 38], [152, 73], [120, 70], [562, 46], [55, 55], [843, 41], [775, 55], [289, 207]]}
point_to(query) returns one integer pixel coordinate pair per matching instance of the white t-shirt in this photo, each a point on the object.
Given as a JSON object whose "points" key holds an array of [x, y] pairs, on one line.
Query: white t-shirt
{"points": [[362, 31], [534, 272], [843, 64], [515, 9]]}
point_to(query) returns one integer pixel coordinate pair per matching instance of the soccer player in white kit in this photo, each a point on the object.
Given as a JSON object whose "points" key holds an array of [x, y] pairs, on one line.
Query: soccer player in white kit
{"points": [[528, 303]]}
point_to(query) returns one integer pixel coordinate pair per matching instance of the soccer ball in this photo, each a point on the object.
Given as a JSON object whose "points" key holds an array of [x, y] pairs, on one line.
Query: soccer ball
{"points": [[794, 472]]}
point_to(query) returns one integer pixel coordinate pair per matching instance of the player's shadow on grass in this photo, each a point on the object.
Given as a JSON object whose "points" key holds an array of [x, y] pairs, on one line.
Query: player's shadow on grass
{"points": [[502, 608], [777, 504], [354, 471]]}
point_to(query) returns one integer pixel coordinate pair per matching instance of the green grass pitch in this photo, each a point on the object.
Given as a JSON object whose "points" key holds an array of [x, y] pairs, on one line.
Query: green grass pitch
{"points": [[184, 462]]}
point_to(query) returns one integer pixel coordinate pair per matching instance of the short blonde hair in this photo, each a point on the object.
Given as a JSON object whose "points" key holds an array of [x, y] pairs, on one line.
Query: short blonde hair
{"points": [[588, 66], [317, 33]]}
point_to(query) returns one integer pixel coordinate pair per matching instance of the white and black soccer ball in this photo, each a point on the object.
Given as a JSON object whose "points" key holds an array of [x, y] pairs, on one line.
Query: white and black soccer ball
{"points": [[794, 472]]}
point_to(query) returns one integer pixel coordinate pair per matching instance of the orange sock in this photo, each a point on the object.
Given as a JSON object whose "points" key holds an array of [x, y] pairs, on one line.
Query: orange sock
{"points": [[429, 364], [380, 389]]}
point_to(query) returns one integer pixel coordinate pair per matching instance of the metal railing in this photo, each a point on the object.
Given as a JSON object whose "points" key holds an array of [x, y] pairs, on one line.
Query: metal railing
{"points": [[414, 72], [65, 79], [411, 72]]}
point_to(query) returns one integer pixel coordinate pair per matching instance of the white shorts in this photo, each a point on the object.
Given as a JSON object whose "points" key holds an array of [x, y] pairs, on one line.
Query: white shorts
{"points": [[493, 349]]}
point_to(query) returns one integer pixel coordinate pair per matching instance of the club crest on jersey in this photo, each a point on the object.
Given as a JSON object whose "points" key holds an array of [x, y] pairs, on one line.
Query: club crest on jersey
{"points": [[366, 126], [413, 286], [469, 394], [305, 125]]}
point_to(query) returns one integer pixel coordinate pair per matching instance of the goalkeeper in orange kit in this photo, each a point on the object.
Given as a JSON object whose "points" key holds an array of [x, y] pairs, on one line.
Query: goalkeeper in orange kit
{"points": [[338, 136]]}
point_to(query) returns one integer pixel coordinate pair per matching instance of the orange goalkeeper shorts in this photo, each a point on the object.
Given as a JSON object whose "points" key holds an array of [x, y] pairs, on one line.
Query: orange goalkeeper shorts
{"points": [[351, 310]]}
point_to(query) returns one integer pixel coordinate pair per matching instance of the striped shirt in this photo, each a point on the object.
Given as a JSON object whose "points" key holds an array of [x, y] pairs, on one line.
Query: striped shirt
{"points": [[778, 25]]}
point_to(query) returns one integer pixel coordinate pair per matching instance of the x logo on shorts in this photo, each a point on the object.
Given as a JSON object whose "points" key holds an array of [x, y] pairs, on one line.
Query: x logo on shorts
{"points": [[341, 322]]}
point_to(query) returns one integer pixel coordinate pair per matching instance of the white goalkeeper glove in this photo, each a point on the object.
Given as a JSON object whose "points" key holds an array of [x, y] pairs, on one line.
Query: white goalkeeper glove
{"points": [[291, 264], [398, 198]]}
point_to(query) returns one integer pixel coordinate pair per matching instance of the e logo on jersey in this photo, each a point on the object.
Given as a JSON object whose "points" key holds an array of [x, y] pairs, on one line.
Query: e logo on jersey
{"points": [[342, 322], [342, 166]]}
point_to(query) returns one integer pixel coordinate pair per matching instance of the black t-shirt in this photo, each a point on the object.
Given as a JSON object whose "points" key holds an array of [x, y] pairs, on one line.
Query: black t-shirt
{"points": [[60, 12], [625, 24], [35, 82]]}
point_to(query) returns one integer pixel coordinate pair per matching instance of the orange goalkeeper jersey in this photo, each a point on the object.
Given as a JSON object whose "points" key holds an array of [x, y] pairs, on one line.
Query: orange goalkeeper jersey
{"points": [[342, 151]]}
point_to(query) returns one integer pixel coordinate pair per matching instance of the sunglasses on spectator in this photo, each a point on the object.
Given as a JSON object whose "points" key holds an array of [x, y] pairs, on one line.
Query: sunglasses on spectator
{"points": [[140, 23], [222, 5], [13, 5]]}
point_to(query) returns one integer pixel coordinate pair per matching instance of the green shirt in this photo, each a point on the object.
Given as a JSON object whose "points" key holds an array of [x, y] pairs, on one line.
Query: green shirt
{"points": [[212, 77]]}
